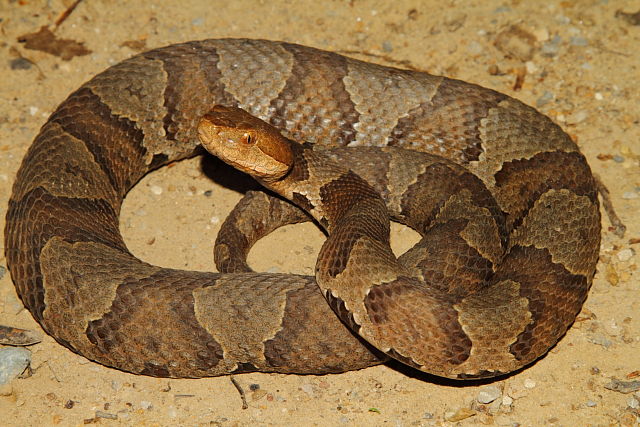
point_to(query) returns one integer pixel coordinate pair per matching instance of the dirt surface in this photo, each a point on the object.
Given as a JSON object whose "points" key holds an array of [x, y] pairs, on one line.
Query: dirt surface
{"points": [[577, 61]]}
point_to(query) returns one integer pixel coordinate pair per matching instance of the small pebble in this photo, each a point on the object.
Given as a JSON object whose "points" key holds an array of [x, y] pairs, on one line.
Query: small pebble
{"points": [[106, 415], [307, 388], [427, 416], [628, 195], [13, 362], [612, 275], [20, 64], [172, 412], [552, 47], [633, 403], [578, 41], [625, 254], [591, 403], [577, 117], [156, 189], [193, 172], [531, 67], [488, 394], [208, 193], [544, 99], [145, 404], [618, 158], [258, 394], [507, 400], [611, 328], [541, 34], [214, 220], [387, 46], [600, 339], [529, 383], [254, 387], [623, 386], [474, 48], [3, 271], [598, 96], [493, 70]]}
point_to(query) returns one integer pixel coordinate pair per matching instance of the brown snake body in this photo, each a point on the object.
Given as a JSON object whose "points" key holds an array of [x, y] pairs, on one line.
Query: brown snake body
{"points": [[511, 236]]}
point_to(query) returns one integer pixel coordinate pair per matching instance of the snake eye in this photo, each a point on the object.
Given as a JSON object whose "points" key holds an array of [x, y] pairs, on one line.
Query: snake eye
{"points": [[247, 138]]}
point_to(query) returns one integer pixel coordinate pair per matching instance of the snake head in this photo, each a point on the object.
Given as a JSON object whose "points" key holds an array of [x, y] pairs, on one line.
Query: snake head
{"points": [[246, 143]]}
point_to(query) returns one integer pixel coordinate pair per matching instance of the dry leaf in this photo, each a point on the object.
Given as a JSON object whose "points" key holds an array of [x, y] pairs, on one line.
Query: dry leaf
{"points": [[45, 41]]}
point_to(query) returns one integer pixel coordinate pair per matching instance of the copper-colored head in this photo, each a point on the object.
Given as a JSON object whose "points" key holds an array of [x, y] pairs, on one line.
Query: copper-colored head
{"points": [[245, 142]]}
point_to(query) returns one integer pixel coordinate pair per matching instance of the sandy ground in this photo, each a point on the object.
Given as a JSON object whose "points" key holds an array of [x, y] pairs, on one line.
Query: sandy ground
{"points": [[580, 66]]}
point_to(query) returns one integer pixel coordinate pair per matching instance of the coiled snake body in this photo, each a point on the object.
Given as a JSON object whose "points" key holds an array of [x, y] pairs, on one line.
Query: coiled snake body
{"points": [[510, 220]]}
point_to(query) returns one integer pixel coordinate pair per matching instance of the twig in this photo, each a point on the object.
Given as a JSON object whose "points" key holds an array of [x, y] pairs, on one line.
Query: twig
{"points": [[46, 362], [64, 15], [618, 226], [241, 391]]}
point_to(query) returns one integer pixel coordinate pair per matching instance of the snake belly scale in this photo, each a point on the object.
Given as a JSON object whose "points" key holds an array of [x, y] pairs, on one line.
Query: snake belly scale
{"points": [[495, 304]]}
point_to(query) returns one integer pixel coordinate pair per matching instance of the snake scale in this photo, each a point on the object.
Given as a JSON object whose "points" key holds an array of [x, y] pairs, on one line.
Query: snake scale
{"points": [[508, 211]]}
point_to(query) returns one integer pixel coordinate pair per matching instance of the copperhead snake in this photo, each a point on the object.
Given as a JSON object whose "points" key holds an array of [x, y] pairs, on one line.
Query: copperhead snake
{"points": [[510, 218]]}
